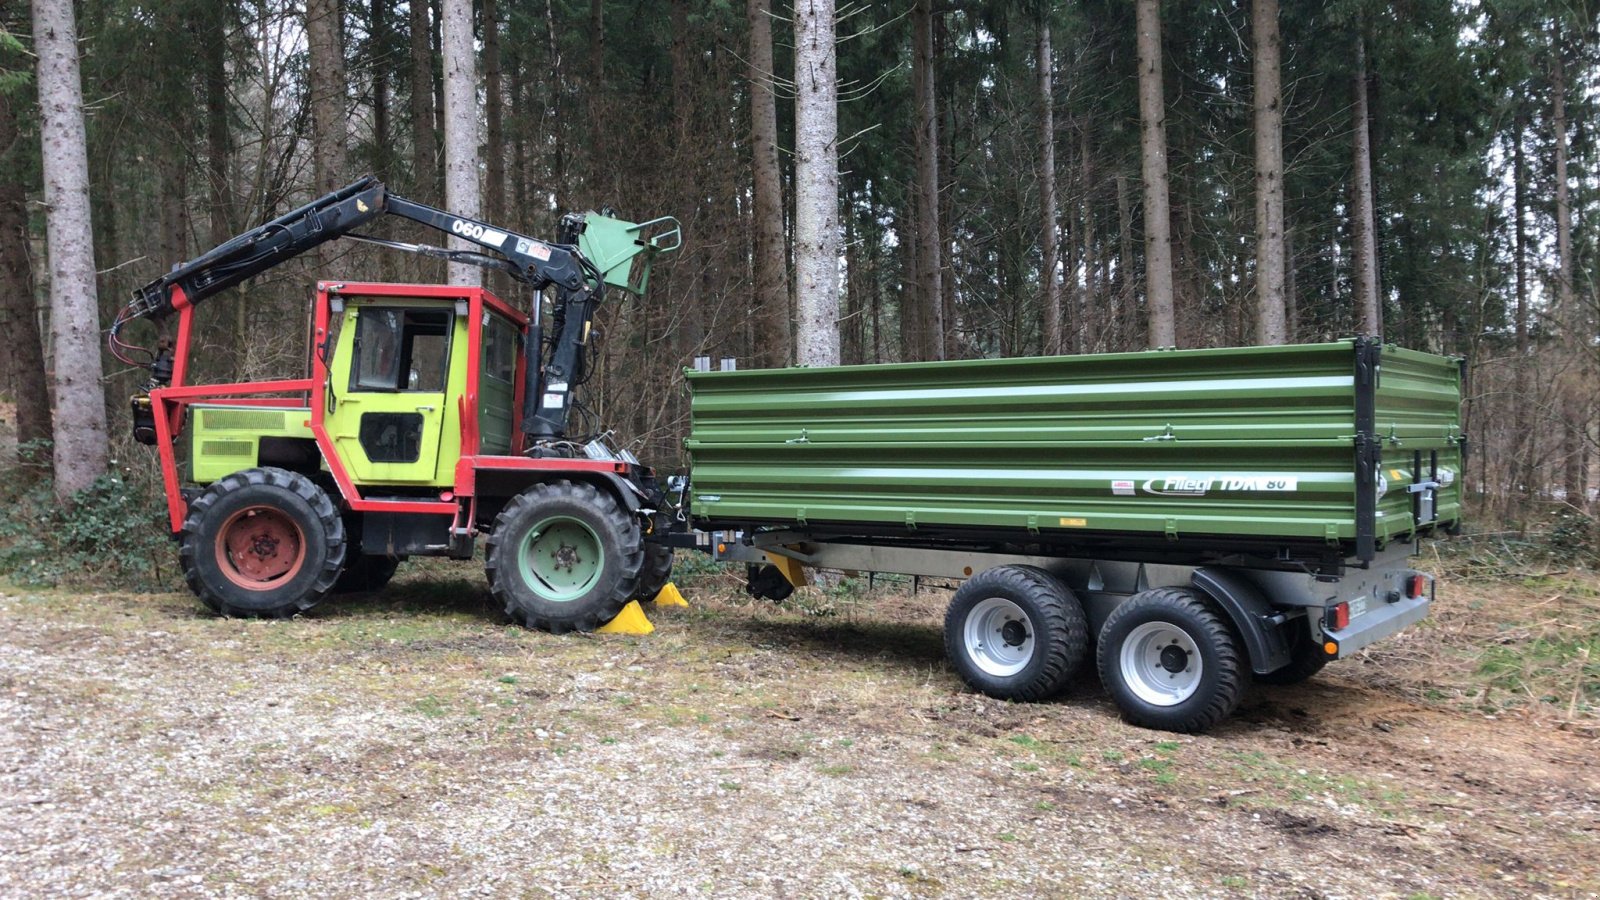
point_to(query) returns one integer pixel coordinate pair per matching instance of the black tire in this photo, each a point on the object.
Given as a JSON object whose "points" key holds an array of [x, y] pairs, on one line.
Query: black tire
{"points": [[262, 543], [1201, 695], [366, 573], [1305, 659], [1040, 634], [590, 592], [655, 571], [766, 582]]}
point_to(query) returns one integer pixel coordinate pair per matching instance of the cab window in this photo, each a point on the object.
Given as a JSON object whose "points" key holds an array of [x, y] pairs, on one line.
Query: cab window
{"points": [[500, 344], [401, 350]]}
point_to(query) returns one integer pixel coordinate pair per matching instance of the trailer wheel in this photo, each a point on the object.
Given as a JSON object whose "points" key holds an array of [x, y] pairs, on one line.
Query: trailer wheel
{"points": [[1015, 633], [1305, 660], [1170, 661], [262, 543], [563, 557], [655, 572], [367, 572]]}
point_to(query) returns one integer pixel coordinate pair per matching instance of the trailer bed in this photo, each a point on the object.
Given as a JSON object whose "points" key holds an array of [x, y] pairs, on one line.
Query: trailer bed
{"points": [[1326, 451]]}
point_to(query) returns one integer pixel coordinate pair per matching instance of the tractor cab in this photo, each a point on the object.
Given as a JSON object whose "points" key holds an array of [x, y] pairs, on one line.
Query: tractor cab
{"points": [[403, 368], [407, 379]]}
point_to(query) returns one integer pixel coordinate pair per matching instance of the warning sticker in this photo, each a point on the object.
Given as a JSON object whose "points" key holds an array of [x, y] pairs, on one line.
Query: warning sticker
{"points": [[1122, 488]]}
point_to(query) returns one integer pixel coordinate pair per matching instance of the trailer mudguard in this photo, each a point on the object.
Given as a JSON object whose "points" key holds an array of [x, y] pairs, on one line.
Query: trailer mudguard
{"points": [[1257, 621]]}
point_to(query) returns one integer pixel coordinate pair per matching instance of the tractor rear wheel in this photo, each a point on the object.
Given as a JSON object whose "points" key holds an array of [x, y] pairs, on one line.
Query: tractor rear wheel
{"points": [[564, 556], [656, 571], [366, 572], [262, 543]]}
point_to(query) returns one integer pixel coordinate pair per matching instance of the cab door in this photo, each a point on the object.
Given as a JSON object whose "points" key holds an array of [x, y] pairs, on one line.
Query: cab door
{"points": [[386, 403]]}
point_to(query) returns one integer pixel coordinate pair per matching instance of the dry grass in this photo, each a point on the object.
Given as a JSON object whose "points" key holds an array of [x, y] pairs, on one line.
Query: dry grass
{"points": [[410, 743]]}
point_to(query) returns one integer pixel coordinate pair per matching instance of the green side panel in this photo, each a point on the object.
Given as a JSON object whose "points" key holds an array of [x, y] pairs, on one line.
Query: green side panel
{"points": [[224, 439], [1247, 442], [1417, 419], [502, 346]]}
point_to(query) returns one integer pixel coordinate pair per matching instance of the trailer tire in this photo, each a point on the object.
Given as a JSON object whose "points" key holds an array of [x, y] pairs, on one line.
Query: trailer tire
{"points": [[1015, 633], [1171, 661], [262, 543], [655, 572], [563, 556], [1305, 660], [367, 572]]}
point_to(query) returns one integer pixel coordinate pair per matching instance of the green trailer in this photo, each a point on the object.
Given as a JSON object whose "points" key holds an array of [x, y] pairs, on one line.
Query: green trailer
{"points": [[1201, 514]]}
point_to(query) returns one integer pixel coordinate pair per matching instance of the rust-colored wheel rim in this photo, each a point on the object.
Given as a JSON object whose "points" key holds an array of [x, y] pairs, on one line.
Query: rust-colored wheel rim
{"points": [[260, 548]]}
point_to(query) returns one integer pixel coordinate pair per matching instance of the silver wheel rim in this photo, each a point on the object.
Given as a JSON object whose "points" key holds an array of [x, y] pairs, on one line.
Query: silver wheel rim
{"points": [[998, 637], [1161, 664]]}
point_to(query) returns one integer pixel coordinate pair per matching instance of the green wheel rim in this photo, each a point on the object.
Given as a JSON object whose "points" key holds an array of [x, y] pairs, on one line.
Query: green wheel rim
{"points": [[561, 558]]}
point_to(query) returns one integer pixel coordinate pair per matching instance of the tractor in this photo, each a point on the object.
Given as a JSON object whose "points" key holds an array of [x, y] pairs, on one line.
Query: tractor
{"points": [[428, 416]]}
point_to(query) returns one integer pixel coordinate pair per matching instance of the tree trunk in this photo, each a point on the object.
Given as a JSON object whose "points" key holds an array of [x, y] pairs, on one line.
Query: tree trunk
{"points": [[1153, 152], [494, 189], [1089, 300], [1578, 390], [378, 13], [424, 137], [1127, 308], [329, 118], [1524, 438], [1048, 242], [461, 195], [816, 194], [493, 119], [219, 143], [599, 184], [80, 425], [773, 337], [1364, 217], [23, 370], [928, 298], [1272, 319]]}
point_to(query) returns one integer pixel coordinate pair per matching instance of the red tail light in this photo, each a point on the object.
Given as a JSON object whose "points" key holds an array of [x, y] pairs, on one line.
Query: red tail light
{"points": [[1337, 617], [1417, 586]]}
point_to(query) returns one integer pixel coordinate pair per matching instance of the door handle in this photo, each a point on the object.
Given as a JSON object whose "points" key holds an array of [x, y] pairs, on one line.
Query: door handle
{"points": [[424, 409]]}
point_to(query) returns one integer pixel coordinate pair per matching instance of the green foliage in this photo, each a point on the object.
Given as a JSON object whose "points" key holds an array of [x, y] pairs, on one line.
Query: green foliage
{"points": [[1545, 664], [113, 535], [15, 78]]}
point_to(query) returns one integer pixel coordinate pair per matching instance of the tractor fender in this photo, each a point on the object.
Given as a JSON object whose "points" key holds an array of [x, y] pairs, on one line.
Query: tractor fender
{"points": [[1255, 618], [614, 484]]}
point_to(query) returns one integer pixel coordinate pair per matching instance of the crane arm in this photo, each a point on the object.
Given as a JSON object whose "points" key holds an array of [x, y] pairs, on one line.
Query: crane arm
{"points": [[338, 214]]}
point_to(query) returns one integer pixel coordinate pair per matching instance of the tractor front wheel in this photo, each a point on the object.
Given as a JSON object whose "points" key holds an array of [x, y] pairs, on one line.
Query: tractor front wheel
{"points": [[264, 543], [564, 556]]}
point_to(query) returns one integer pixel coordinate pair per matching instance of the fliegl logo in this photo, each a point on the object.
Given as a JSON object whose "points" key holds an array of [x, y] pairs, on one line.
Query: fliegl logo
{"points": [[1178, 487], [1185, 486]]}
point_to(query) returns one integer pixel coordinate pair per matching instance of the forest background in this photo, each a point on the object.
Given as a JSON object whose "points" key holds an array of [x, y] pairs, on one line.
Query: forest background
{"points": [[1437, 180]]}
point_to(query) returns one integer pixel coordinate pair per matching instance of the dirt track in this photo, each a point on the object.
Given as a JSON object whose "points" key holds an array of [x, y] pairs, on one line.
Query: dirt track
{"points": [[408, 744]]}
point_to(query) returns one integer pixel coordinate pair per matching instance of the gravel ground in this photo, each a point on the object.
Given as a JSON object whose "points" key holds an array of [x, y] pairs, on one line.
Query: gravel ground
{"points": [[410, 745]]}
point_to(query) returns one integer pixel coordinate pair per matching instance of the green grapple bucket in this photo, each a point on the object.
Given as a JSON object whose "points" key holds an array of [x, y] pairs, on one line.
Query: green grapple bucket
{"points": [[624, 251]]}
